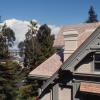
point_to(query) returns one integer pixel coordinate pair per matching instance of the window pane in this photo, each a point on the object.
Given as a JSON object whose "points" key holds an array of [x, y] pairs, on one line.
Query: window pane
{"points": [[97, 66], [97, 57]]}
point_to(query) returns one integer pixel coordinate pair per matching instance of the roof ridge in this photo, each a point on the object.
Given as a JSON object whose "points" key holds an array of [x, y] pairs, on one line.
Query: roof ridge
{"points": [[82, 24], [72, 57]]}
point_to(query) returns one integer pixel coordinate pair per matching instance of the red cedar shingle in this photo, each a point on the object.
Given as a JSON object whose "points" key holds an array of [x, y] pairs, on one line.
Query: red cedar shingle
{"points": [[90, 87], [59, 41], [48, 67], [82, 29]]}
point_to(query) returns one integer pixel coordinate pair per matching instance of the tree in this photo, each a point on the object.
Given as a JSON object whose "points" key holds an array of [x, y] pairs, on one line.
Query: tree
{"points": [[37, 46], [9, 72], [28, 45], [12, 76], [46, 41], [7, 38], [92, 16]]}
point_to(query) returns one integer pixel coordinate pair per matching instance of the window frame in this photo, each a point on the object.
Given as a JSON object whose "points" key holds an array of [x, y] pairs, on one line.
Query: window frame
{"points": [[96, 61]]}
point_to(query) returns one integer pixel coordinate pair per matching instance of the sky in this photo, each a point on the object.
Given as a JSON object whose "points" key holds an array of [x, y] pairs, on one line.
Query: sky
{"points": [[55, 12]]}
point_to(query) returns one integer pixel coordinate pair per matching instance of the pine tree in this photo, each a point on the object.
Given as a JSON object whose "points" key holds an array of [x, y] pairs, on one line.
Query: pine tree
{"points": [[37, 48], [92, 16], [45, 40], [7, 38], [28, 46]]}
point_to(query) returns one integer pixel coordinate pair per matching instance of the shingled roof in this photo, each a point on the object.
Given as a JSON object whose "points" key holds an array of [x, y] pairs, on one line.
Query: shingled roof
{"points": [[84, 30], [77, 56], [48, 67], [52, 64]]}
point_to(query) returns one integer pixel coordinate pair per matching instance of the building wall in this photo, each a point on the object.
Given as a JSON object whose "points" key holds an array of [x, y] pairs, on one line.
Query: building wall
{"points": [[64, 93], [70, 42], [85, 68], [47, 96]]}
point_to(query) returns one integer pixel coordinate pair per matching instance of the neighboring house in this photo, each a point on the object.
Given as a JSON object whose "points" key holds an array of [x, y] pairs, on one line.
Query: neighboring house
{"points": [[76, 76]]}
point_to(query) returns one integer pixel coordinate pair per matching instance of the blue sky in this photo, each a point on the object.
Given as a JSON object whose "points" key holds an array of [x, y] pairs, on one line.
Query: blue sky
{"points": [[57, 12]]}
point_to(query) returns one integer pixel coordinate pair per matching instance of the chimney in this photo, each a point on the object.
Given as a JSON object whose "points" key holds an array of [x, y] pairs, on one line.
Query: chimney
{"points": [[70, 42]]}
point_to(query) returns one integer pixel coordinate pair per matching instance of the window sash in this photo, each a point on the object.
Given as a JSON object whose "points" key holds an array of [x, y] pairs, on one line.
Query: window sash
{"points": [[97, 62]]}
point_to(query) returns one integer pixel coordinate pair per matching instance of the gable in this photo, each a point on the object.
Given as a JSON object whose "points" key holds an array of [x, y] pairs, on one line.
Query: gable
{"points": [[91, 44], [69, 39]]}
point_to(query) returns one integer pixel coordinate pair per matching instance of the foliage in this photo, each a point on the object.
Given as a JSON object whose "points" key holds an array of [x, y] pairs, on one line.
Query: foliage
{"points": [[45, 40], [12, 76], [25, 90], [7, 38], [8, 68], [92, 16], [12, 86], [9, 71], [28, 91], [37, 46]]}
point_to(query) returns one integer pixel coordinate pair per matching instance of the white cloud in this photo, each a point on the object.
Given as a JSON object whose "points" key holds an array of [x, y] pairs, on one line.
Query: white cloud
{"points": [[54, 29], [21, 27]]}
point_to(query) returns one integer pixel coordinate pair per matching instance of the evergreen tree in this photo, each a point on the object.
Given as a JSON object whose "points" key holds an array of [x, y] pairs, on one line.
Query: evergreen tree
{"points": [[37, 46], [9, 72], [12, 75], [11, 80], [28, 45], [7, 38], [45, 40], [92, 16]]}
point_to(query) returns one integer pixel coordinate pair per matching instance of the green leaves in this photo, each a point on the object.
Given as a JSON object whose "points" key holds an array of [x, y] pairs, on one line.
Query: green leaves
{"points": [[7, 38], [7, 79], [9, 34], [36, 48]]}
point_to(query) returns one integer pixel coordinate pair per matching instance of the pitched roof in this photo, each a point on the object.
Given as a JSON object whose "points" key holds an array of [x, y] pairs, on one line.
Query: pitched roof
{"points": [[90, 87], [85, 30], [48, 67], [59, 41], [77, 56]]}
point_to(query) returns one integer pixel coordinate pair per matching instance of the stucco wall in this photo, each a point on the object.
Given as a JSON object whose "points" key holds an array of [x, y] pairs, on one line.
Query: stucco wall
{"points": [[87, 66], [84, 68], [47, 96], [64, 93]]}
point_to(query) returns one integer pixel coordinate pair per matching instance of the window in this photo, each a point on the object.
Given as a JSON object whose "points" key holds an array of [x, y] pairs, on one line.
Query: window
{"points": [[97, 62]]}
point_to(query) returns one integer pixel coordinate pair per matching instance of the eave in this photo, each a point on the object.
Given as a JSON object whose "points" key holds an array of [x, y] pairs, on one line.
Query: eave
{"points": [[77, 56], [38, 77]]}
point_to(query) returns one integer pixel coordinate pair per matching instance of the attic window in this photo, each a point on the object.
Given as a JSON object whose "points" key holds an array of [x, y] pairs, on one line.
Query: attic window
{"points": [[97, 62]]}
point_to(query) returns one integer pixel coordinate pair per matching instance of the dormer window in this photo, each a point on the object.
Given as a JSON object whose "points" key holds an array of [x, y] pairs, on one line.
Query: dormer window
{"points": [[97, 61]]}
